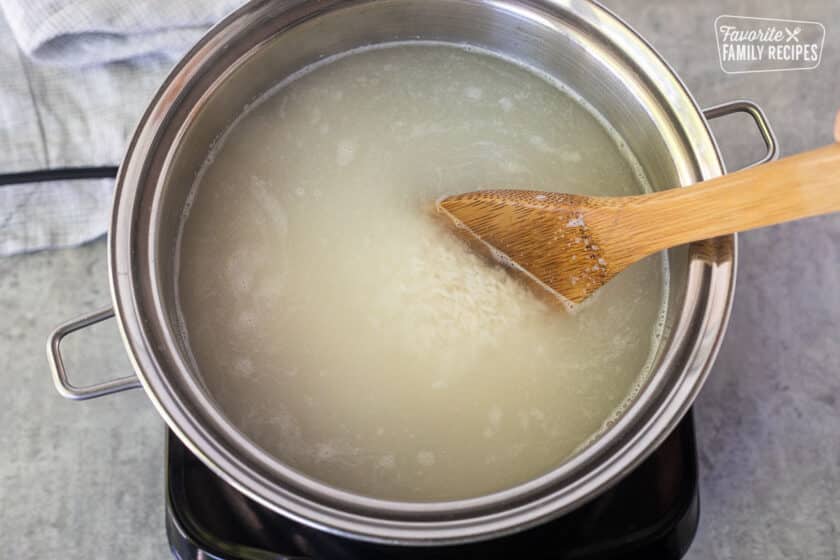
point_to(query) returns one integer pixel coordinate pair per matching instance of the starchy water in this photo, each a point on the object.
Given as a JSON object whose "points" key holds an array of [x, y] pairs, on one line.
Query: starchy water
{"points": [[345, 330]]}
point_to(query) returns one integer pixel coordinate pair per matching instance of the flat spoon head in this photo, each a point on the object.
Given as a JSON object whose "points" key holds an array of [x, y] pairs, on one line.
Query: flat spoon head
{"points": [[544, 235]]}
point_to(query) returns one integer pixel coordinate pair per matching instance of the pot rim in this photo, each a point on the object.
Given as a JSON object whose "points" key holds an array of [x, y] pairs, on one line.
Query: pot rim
{"points": [[131, 256]]}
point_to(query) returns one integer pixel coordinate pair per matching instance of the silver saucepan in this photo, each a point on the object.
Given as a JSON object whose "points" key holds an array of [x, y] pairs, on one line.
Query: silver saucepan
{"points": [[579, 42]]}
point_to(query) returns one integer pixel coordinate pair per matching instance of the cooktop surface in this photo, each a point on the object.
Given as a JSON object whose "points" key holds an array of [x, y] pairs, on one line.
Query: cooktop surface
{"points": [[652, 513]]}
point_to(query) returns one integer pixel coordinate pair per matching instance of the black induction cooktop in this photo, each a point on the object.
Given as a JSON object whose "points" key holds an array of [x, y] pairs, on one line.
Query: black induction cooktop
{"points": [[650, 514]]}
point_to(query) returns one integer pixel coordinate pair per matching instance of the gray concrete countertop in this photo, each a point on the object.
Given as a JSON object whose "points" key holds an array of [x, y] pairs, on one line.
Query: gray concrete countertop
{"points": [[85, 480]]}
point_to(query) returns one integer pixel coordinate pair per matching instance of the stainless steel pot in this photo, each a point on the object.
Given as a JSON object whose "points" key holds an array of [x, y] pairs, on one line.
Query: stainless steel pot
{"points": [[579, 42]]}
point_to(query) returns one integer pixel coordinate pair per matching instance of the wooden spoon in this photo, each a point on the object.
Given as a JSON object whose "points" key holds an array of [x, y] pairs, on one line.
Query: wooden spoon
{"points": [[574, 244]]}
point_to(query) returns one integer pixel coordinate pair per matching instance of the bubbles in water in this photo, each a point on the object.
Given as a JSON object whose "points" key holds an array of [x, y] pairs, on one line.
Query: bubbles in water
{"points": [[426, 458], [474, 93], [315, 115], [243, 367], [247, 320], [495, 415], [571, 156], [345, 152]]}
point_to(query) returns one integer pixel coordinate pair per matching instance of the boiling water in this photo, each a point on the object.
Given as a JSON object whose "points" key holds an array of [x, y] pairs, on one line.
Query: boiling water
{"points": [[342, 328]]}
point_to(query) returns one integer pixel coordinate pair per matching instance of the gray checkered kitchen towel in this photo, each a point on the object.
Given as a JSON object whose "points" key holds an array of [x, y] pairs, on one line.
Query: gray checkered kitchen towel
{"points": [[75, 75]]}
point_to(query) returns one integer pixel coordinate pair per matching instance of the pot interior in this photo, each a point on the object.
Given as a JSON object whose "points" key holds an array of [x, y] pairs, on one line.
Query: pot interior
{"points": [[576, 42]]}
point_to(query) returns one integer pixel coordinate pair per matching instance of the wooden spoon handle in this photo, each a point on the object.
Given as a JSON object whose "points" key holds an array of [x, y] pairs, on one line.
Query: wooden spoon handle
{"points": [[800, 186]]}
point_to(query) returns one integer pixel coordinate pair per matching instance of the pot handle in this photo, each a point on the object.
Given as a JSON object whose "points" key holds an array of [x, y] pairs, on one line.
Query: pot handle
{"points": [[62, 383], [753, 110]]}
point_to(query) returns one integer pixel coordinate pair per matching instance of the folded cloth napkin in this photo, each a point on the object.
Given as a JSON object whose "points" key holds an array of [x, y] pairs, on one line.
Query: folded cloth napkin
{"points": [[76, 76]]}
